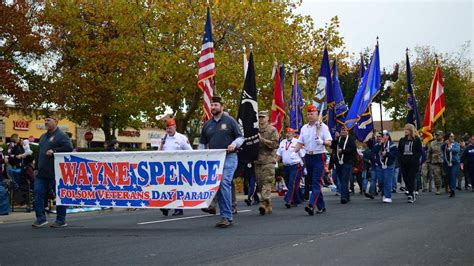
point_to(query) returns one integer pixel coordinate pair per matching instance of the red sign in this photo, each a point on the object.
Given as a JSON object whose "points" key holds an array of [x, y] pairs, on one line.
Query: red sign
{"points": [[129, 133], [21, 125], [88, 136]]}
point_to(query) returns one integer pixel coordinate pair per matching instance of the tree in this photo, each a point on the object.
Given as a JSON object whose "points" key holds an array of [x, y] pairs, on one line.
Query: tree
{"points": [[122, 64], [458, 87], [24, 42]]}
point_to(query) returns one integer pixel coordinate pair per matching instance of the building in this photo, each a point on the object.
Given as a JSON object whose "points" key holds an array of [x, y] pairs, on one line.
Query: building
{"points": [[28, 125]]}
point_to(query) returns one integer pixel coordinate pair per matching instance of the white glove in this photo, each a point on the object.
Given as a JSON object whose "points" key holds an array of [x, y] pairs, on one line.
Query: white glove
{"points": [[319, 142], [305, 172]]}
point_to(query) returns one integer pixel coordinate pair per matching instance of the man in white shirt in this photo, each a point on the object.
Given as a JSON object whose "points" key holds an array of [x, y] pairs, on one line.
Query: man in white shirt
{"points": [[292, 167], [173, 141], [314, 136]]}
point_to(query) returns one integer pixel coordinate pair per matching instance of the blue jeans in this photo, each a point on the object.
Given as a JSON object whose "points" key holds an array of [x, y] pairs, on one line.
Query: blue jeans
{"points": [[336, 180], [364, 180], [225, 189], [373, 180], [385, 177], [395, 178], [4, 203], [294, 173], [42, 187], [250, 172], [315, 167], [452, 173], [344, 174]]}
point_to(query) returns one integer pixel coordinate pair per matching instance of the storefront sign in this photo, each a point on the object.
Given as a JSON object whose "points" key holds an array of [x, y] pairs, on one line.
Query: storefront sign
{"points": [[21, 125], [129, 133]]}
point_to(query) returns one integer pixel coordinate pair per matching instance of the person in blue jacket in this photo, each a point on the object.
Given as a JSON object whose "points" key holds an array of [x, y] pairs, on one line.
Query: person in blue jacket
{"points": [[385, 156], [451, 160]]}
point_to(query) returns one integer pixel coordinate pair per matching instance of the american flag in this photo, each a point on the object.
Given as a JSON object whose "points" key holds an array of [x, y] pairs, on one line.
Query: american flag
{"points": [[207, 67]]}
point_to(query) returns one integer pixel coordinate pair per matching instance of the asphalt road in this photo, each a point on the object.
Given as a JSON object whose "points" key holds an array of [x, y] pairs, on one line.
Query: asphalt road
{"points": [[435, 230]]}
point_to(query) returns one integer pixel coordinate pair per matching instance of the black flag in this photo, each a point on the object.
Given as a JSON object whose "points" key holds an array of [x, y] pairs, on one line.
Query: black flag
{"points": [[248, 116]]}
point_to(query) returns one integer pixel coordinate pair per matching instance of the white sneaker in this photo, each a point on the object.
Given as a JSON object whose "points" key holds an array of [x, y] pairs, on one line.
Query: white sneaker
{"points": [[383, 198], [387, 200], [416, 192]]}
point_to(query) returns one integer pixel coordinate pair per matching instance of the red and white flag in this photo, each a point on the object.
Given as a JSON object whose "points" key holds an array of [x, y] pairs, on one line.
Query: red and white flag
{"points": [[278, 104], [207, 67], [434, 107]]}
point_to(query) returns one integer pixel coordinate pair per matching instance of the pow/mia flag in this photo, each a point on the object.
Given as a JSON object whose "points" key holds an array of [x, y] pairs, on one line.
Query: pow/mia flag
{"points": [[248, 116]]}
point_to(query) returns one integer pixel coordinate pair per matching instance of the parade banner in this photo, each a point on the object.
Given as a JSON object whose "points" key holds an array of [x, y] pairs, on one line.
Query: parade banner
{"points": [[148, 179]]}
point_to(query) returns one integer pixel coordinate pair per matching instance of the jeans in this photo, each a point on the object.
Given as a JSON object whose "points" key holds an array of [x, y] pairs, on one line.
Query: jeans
{"points": [[4, 203], [252, 179], [315, 167], [364, 180], [336, 180], [373, 180], [385, 177], [294, 173], [344, 173], [396, 171], [225, 190], [451, 173], [42, 187]]}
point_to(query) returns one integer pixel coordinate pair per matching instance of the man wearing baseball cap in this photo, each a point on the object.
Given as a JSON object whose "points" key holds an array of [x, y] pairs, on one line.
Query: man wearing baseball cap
{"points": [[54, 140]]}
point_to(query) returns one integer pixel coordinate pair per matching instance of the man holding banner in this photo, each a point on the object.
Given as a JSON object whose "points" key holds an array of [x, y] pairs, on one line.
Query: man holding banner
{"points": [[223, 132], [54, 140], [173, 141]]}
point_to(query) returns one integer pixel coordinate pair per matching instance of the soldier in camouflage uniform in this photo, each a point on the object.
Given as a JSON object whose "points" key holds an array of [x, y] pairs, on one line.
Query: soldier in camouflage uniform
{"points": [[265, 165], [435, 160]]}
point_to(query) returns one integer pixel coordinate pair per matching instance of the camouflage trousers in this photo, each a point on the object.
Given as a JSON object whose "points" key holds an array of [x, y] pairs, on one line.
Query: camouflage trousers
{"points": [[265, 174], [437, 173]]}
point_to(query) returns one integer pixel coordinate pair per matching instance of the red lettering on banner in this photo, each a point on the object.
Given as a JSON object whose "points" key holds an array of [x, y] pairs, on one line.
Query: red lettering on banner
{"points": [[82, 178], [109, 174], [123, 177], [67, 172], [95, 169]]}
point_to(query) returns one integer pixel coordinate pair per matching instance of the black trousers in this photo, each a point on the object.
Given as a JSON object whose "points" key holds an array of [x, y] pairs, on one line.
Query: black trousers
{"points": [[409, 172]]}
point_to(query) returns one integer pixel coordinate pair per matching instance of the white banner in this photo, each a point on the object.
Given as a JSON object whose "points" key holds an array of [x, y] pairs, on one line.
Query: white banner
{"points": [[149, 179]]}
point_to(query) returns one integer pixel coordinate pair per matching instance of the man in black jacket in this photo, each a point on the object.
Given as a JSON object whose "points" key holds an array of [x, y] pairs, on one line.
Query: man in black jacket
{"points": [[345, 149], [54, 140]]}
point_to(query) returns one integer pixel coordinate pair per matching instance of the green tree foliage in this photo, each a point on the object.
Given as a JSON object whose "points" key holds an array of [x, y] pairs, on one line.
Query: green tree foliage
{"points": [[458, 87], [24, 42]]}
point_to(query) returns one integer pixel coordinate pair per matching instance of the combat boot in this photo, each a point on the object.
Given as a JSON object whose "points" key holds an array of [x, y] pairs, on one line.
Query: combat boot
{"points": [[268, 206], [262, 208]]}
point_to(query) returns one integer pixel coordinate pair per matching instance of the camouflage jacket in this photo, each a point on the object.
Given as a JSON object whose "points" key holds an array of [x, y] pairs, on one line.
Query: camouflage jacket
{"points": [[435, 154], [268, 145]]}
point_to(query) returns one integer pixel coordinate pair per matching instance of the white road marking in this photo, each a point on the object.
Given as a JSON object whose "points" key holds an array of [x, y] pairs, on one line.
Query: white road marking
{"points": [[185, 218]]}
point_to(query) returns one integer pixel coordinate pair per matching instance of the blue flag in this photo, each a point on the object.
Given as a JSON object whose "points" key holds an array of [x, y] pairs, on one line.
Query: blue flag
{"points": [[295, 105], [368, 89], [413, 116], [336, 105], [365, 125], [324, 86]]}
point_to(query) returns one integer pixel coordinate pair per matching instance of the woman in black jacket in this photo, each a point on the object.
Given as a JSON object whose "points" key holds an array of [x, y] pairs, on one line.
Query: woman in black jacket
{"points": [[409, 154]]}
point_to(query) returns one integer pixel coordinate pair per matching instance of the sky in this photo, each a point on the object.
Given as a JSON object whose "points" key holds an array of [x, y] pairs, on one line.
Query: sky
{"points": [[442, 24]]}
